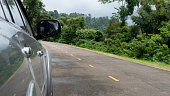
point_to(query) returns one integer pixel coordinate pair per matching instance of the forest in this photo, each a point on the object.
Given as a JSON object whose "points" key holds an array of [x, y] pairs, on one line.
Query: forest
{"points": [[99, 23], [148, 39]]}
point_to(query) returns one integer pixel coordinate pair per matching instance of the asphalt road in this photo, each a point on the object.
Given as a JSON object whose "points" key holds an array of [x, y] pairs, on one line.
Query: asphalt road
{"points": [[78, 72]]}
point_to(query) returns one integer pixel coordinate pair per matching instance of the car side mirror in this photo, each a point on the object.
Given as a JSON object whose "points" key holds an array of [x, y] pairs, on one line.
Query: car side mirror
{"points": [[48, 28]]}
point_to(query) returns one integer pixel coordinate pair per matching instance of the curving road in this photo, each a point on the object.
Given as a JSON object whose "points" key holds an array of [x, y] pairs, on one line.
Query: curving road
{"points": [[78, 72]]}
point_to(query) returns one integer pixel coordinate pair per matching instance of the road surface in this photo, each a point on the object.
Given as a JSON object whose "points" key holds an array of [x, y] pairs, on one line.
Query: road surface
{"points": [[78, 72]]}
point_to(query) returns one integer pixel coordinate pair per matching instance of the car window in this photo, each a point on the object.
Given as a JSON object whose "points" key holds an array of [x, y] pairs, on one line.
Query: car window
{"points": [[15, 13], [6, 11], [1, 11], [28, 27]]}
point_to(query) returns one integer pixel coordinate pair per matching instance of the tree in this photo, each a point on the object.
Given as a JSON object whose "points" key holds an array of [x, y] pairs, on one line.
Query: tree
{"points": [[150, 20], [124, 10], [113, 27], [70, 26], [122, 14], [36, 12], [97, 23], [56, 14]]}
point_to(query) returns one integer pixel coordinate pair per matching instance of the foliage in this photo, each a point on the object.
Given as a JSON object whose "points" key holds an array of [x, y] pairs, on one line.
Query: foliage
{"points": [[148, 39], [70, 26], [151, 20], [165, 34], [113, 27], [150, 48], [97, 23], [91, 45], [126, 40], [126, 9], [90, 34], [36, 12], [122, 14]]}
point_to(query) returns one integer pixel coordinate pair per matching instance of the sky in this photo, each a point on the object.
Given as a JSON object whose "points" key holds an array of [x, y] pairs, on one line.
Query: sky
{"points": [[95, 8]]}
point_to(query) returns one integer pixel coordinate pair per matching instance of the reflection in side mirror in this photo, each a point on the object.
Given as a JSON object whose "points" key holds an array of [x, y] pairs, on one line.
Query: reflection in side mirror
{"points": [[48, 28]]}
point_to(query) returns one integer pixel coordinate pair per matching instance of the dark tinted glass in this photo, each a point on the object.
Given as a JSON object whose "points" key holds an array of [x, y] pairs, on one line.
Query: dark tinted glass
{"points": [[28, 28], [15, 13], [1, 12], [5, 7]]}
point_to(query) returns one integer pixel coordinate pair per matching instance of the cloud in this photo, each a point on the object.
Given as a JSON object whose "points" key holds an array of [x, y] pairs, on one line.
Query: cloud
{"points": [[81, 6]]}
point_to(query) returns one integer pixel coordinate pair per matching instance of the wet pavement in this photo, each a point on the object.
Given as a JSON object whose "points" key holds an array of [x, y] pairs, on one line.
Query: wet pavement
{"points": [[78, 72]]}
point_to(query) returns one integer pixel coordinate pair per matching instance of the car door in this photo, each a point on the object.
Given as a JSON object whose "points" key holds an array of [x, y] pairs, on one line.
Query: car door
{"points": [[28, 77], [27, 40]]}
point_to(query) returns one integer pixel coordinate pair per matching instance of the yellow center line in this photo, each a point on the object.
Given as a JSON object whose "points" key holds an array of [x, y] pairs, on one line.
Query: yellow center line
{"points": [[113, 78], [23, 81], [78, 58], [75, 57], [91, 66], [15, 94]]}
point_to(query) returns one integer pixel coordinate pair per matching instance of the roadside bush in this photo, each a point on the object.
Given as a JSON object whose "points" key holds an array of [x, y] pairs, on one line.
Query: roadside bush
{"points": [[90, 34], [112, 46], [124, 41], [148, 48], [137, 49], [162, 54], [165, 34], [100, 46]]}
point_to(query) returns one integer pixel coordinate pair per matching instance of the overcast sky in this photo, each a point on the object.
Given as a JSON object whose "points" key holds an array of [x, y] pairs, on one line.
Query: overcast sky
{"points": [[95, 8]]}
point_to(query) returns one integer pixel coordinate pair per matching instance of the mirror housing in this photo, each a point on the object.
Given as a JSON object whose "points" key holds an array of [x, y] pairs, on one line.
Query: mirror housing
{"points": [[48, 28]]}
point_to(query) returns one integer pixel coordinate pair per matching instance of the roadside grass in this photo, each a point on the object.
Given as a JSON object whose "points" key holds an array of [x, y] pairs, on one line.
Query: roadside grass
{"points": [[146, 62], [160, 65]]}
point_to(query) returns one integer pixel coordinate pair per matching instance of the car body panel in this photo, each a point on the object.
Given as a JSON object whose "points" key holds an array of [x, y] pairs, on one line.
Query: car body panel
{"points": [[12, 40], [14, 72], [21, 73]]}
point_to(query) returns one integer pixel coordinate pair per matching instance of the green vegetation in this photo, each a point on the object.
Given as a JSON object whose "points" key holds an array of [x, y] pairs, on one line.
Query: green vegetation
{"points": [[140, 61], [99, 23], [35, 11], [148, 39]]}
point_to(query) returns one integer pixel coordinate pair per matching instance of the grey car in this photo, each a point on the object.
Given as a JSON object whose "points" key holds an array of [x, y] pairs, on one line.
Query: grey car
{"points": [[25, 66]]}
